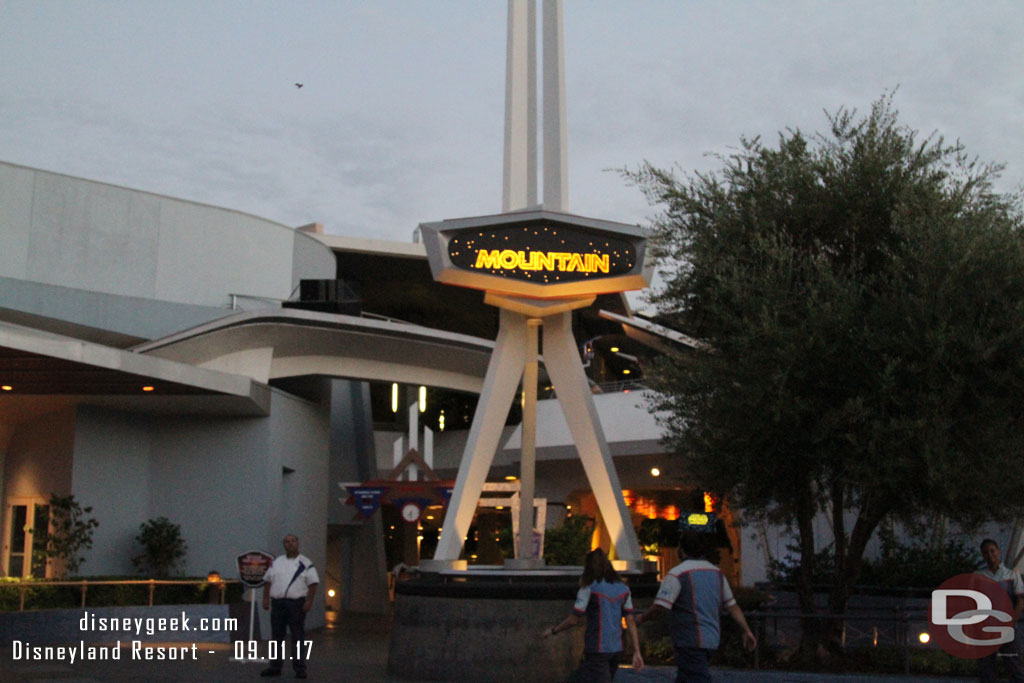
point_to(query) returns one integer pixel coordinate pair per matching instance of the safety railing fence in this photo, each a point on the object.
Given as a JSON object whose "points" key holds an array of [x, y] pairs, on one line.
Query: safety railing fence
{"points": [[219, 588], [880, 627]]}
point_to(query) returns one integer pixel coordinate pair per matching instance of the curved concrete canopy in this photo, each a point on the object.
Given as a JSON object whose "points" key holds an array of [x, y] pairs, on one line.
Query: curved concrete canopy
{"points": [[283, 343]]}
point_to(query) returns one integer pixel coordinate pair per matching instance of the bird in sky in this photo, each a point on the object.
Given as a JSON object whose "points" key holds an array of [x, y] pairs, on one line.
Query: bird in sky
{"points": [[298, 85]]}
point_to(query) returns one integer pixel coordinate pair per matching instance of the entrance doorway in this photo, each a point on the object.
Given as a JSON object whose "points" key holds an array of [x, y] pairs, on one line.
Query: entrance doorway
{"points": [[28, 529]]}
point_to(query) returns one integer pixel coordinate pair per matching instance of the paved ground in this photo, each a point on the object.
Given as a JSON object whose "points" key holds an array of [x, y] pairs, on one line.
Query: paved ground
{"points": [[355, 651]]}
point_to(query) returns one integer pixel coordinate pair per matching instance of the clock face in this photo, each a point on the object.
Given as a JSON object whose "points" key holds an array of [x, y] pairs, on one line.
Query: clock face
{"points": [[411, 512]]}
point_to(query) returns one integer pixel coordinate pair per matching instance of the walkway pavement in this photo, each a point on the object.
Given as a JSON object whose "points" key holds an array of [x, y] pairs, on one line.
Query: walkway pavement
{"points": [[357, 651]]}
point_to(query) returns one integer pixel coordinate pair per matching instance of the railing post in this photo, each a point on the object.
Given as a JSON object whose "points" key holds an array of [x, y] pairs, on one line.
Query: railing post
{"points": [[21, 604], [152, 589], [757, 647], [85, 587], [905, 626]]}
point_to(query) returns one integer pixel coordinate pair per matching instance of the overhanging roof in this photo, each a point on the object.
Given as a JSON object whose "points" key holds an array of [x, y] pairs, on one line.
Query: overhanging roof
{"points": [[41, 367]]}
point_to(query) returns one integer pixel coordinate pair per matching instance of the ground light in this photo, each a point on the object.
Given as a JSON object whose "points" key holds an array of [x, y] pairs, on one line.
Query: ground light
{"points": [[924, 637], [655, 472]]}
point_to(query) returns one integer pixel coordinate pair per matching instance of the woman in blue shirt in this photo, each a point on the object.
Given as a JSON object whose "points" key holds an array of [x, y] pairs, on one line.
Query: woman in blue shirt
{"points": [[604, 599]]}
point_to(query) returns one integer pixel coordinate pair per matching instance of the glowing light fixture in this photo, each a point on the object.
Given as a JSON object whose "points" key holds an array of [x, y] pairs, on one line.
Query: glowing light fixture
{"points": [[7, 387], [394, 398], [148, 388], [440, 421], [423, 399], [331, 593], [924, 637], [655, 472], [511, 477], [626, 371], [614, 349]]}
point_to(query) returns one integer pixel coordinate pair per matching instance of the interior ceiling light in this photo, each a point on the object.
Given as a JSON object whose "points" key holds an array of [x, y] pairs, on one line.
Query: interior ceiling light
{"points": [[7, 387], [614, 349], [147, 388]]}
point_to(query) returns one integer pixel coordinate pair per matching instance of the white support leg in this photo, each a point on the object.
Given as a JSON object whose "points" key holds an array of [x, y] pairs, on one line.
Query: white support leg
{"points": [[528, 451], [500, 384], [566, 371]]}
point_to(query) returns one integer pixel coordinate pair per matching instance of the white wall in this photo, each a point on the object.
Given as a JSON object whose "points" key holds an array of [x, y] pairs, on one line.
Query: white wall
{"points": [[78, 233], [111, 473], [220, 478], [38, 460]]}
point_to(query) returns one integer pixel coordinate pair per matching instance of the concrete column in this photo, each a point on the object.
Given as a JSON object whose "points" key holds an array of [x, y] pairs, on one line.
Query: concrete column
{"points": [[528, 452]]}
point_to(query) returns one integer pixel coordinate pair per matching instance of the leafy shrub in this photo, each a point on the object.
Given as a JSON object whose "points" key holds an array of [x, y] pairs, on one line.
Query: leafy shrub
{"points": [[163, 548], [70, 532], [569, 543]]}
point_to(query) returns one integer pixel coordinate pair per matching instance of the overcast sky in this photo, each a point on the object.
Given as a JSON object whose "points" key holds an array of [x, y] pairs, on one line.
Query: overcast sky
{"points": [[400, 119]]}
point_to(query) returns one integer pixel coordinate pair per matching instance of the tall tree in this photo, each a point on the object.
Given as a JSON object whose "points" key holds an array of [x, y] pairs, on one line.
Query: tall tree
{"points": [[861, 293]]}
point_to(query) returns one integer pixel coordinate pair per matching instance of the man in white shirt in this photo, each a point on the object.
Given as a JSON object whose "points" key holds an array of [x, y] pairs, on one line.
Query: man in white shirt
{"points": [[1010, 580], [288, 591]]}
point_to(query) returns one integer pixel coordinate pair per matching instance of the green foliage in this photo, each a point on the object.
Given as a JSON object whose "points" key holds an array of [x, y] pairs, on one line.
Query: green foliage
{"points": [[861, 297], [70, 532], [163, 548], [655, 534], [901, 565], [41, 594], [569, 543]]}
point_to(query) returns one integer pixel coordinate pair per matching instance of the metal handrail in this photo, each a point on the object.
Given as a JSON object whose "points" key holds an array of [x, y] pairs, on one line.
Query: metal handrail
{"points": [[85, 583]]}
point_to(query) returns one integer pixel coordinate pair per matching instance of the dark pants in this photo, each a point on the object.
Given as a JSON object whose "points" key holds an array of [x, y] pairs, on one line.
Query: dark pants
{"points": [[287, 614], [1011, 653], [692, 665], [597, 667]]}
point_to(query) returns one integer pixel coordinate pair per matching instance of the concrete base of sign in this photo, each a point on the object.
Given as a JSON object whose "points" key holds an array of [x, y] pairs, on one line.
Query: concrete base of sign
{"points": [[484, 625], [427, 565], [527, 563]]}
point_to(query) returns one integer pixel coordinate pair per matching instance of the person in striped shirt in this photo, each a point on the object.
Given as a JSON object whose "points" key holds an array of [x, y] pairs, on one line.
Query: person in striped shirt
{"points": [[694, 593], [605, 600]]}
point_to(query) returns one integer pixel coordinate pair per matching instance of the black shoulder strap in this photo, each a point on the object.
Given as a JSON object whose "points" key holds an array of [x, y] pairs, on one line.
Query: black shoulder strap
{"points": [[298, 571]]}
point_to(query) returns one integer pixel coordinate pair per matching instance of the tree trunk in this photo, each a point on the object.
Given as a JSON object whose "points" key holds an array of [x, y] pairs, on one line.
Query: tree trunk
{"points": [[810, 627], [870, 516], [837, 601]]}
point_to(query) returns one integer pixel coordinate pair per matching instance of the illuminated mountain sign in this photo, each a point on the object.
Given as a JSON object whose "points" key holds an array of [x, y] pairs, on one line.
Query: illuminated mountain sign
{"points": [[537, 254]]}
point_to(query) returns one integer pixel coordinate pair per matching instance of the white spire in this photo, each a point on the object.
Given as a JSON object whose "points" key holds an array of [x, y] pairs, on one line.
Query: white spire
{"points": [[519, 190]]}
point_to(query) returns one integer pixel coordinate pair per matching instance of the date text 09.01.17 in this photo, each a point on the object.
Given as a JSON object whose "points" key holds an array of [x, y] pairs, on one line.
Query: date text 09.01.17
{"points": [[259, 650]]}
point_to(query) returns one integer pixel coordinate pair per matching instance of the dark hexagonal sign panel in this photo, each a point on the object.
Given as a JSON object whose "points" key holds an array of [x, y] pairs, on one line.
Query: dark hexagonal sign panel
{"points": [[537, 254]]}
